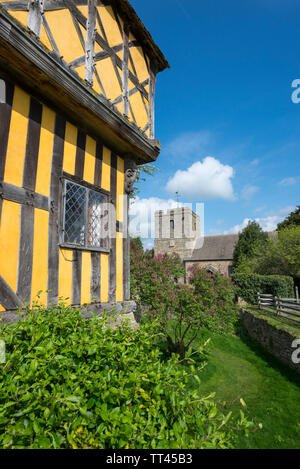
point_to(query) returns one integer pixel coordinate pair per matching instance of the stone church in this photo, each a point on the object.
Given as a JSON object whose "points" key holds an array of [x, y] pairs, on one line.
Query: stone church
{"points": [[179, 231]]}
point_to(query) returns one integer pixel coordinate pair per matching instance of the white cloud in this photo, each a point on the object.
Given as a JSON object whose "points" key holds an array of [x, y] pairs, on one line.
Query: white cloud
{"points": [[289, 181], [209, 179], [268, 223], [260, 209], [254, 162], [142, 219], [249, 191], [188, 144]]}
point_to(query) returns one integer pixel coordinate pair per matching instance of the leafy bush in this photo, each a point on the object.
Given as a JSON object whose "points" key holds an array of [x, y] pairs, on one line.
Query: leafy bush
{"points": [[75, 383], [150, 275], [249, 285], [175, 307], [216, 296]]}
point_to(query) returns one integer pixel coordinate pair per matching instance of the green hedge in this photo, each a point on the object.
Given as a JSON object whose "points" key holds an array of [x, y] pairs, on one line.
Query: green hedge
{"points": [[249, 285], [72, 383]]}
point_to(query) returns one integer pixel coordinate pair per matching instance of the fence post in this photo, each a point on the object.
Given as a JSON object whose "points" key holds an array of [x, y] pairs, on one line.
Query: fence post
{"points": [[297, 294], [258, 300], [277, 305]]}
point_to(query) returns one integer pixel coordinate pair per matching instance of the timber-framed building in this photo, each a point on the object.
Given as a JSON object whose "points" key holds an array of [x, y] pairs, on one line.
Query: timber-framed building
{"points": [[77, 81]]}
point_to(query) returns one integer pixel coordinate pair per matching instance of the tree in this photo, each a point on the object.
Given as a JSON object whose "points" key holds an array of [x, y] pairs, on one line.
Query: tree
{"points": [[292, 220], [146, 169], [250, 240], [282, 256], [136, 244]]}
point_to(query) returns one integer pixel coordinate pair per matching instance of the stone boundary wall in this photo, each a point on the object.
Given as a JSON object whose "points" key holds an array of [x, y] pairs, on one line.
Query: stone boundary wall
{"points": [[278, 342]]}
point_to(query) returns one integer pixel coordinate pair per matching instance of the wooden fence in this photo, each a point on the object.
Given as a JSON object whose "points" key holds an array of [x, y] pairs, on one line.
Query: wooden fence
{"points": [[288, 308]]}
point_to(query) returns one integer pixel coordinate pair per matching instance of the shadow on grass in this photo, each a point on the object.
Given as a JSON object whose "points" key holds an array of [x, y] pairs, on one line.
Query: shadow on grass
{"points": [[266, 356]]}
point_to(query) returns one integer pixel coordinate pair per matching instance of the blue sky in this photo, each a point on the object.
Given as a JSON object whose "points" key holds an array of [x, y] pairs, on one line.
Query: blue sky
{"points": [[229, 130]]}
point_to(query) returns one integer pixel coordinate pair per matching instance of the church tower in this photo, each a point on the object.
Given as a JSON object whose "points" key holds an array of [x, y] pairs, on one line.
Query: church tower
{"points": [[176, 231]]}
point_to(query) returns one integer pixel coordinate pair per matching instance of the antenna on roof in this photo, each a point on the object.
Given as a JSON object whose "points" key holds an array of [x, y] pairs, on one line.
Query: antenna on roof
{"points": [[177, 198]]}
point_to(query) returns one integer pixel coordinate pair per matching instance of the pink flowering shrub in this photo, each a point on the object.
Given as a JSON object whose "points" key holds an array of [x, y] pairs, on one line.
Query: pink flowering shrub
{"points": [[174, 307], [180, 310], [218, 299]]}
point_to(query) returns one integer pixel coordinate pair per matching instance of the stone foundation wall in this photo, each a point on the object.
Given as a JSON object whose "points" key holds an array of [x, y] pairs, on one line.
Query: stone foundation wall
{"points": [[278, 342]]}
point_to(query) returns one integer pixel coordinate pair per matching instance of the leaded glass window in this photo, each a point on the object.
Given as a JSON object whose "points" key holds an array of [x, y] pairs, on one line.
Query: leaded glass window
{"points": [[85, 222]]}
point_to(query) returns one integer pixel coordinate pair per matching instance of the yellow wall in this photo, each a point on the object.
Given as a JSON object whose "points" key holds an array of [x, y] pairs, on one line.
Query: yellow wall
{"points": [[11, 211], [9, 242], [17, 138], [71, 47], [40, 257]]}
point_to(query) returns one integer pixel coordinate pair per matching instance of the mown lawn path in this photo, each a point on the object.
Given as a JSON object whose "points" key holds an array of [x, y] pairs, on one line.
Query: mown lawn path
{"points": [[241, 369]]}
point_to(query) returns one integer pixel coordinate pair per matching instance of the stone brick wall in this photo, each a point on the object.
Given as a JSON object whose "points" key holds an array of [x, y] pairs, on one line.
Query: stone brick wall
{"points": [[180, 238], [220, 266], [182, 247], [278, 342]]}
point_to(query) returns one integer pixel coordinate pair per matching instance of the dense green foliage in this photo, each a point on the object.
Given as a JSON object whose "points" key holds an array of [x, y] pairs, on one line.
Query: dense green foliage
{"points": [[280, 256], [249, 285], [136, 244], [251, 238], [216, 296], [75, 383], [181, 309], [292, 220]]}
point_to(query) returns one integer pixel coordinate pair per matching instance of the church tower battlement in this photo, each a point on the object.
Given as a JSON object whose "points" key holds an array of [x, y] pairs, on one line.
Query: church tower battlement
{"points": [[176, 231]]}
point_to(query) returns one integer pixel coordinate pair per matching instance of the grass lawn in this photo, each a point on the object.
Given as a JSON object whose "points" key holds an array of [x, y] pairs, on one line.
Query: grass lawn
{"points": [[240, 368]]}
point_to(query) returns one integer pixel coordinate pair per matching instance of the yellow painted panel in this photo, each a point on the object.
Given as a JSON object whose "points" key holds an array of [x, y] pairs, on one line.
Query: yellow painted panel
{"points": [[21, 16], [105, 184], [131, 85], [120, 189], [119, 267], [109, 78], [139, 110], [139, 63], [97, 47], [90, 160], [81, 71], [86, 273], [1, 308], [65, 34], [17, 138], [45, 152], [84, 10], [104, 278], [65, 275], [40, 256], [9, 242], [131, 37], [96, 86], [44, 38], [70, 149], [120, 107], [110, 25]]}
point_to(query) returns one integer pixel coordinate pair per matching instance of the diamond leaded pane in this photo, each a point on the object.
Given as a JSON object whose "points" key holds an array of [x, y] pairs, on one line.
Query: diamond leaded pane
{"points": [[74, 227], [97, 214]]}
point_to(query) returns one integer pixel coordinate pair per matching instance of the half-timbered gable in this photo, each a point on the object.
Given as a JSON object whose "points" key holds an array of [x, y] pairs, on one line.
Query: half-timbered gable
{"points": [[105, 43], [76, 117]]}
